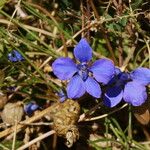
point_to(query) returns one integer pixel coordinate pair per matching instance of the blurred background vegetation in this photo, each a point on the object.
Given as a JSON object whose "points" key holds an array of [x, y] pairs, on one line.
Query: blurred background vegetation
{"points": [[43, 30]]}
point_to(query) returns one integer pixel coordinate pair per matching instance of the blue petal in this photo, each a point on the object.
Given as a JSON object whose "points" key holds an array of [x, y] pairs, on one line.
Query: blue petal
{"points": [[18, 56], [83, 51], [12, 59], [76, 87], [64, 68], [113, 96], [135, 93], [141, 75], [92, 87], [30, 108], [103, 70], [117, 71]]}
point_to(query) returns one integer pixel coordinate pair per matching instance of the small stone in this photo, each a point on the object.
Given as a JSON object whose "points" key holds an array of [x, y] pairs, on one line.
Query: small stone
{"points": [[12, 113]]}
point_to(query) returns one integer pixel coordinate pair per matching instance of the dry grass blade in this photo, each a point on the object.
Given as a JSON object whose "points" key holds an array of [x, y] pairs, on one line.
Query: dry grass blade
{"points": [[36, 140]]}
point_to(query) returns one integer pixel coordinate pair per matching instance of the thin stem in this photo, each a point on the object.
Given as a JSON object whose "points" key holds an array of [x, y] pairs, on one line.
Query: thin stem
{"points": [[128, 58], [106, 128], [130, 124], [105, 115], [148, 48], [18, 4], [43, 136], [120, 53], [82, 17], [4, 21], [64, 43], [3, 147], [108, 44], [88, 18], [14, 137]]}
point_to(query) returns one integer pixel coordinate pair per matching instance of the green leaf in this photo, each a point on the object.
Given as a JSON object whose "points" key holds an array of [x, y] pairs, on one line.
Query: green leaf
{"points": [[118, 27], [136, 4], [8, 144], [123, 21], [110, 26], [30, 37], [2, 3]]}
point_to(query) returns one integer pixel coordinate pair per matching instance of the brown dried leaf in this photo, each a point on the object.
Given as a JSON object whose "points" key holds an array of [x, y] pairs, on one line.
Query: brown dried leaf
{"points": [[142, 113], [2, 76]]}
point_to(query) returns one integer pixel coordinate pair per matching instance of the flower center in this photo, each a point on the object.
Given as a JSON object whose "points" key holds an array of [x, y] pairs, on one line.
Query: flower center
{"points": [[123, 78], [83, 71]]}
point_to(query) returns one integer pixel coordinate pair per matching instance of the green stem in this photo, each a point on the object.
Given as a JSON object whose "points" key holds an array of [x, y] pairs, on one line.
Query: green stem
{"points": [[106, 128], [130, 124]]}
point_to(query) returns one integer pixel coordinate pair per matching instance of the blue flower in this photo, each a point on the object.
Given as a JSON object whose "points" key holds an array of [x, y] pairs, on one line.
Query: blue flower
{"points": [[128, 86], [30, 108], [83, 76], [15, 56]]}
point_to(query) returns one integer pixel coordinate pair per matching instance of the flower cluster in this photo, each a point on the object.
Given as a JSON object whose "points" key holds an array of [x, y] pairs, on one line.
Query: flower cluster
{"points": [[83, 76]]}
